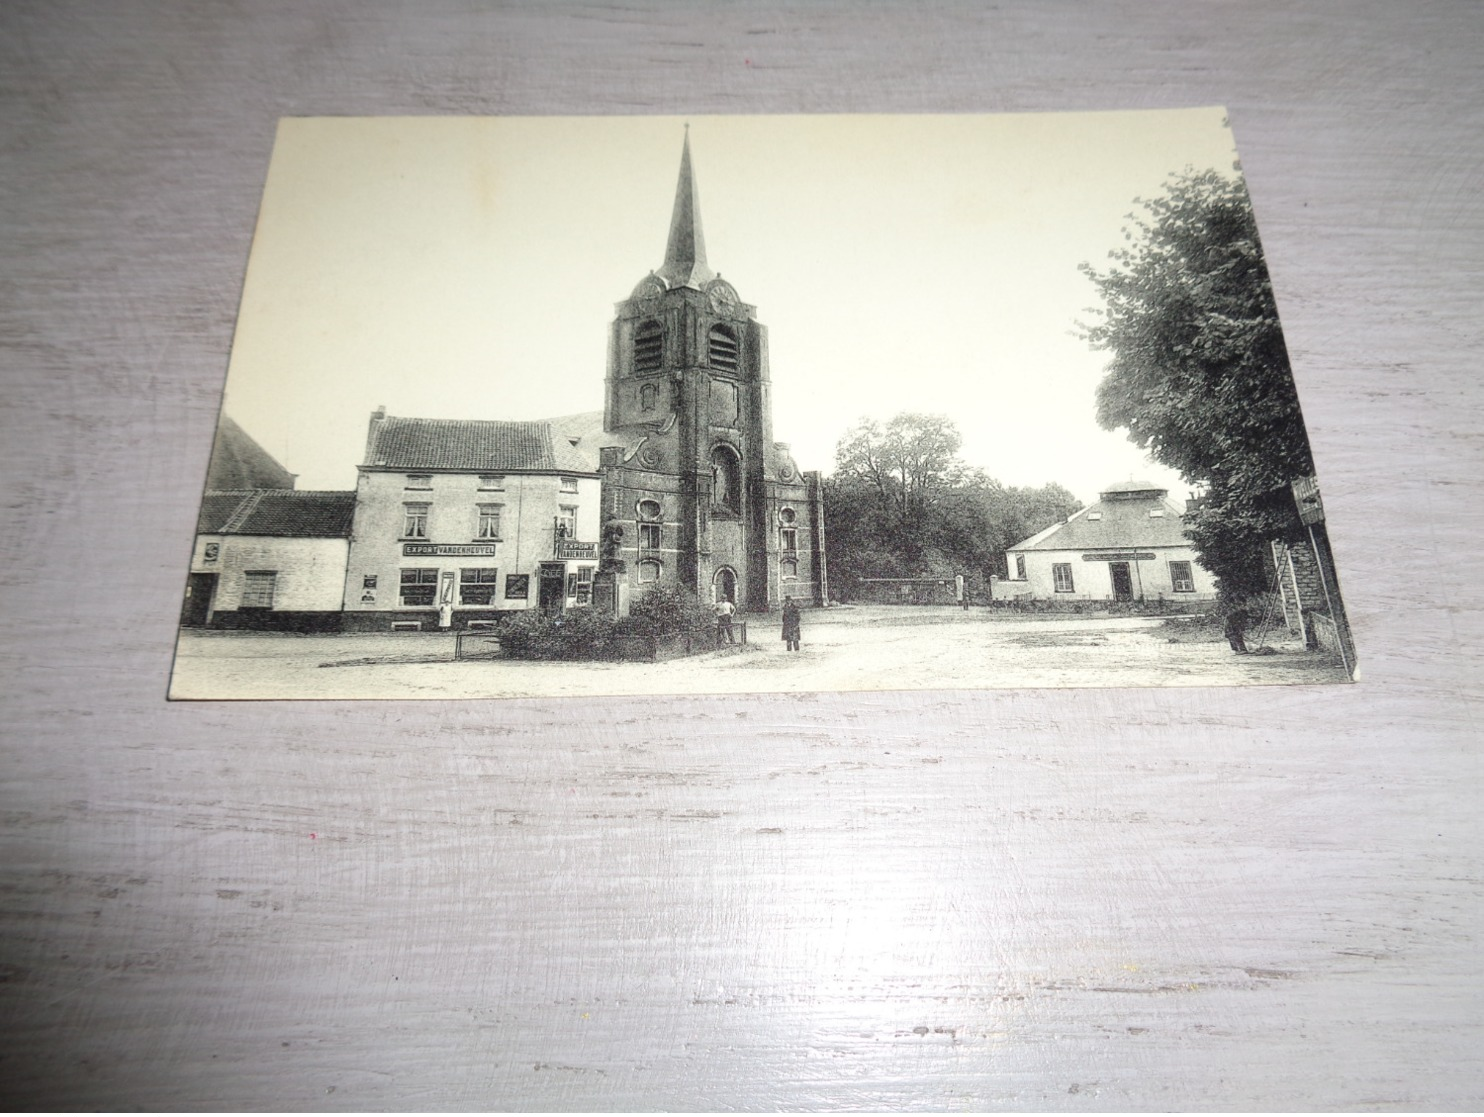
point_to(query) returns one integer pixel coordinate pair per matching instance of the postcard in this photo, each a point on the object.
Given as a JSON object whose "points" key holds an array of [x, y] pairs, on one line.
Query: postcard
{"points": [[529, 407]]}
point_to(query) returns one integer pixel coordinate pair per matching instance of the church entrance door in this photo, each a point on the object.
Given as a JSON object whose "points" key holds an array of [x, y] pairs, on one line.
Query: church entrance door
{"points": [[724, 585]]}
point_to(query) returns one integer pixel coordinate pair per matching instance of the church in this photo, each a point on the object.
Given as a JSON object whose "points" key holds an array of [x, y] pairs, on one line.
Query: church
{"points": [[676, 482], [696, 492]]}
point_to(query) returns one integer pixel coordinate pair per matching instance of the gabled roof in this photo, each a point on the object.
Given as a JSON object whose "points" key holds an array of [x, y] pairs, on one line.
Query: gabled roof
{"points": [[1120, 523], [238, 462], [281, 512], [487, 445]]}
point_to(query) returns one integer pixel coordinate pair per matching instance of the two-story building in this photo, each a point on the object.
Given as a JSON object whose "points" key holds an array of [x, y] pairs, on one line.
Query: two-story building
{"points": [[457, 521]]}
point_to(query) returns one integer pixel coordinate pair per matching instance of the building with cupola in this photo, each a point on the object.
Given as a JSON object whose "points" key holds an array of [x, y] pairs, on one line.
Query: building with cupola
{"points": [[1129, 546]]}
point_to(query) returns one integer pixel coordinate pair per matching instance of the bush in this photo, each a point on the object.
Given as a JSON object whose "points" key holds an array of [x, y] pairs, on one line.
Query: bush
{"points": [[579, 634], [592, 634], [665, 610]]}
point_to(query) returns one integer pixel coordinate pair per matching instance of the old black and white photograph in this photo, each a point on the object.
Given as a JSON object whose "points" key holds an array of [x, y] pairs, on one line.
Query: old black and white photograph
{"points": [[526, 406]]}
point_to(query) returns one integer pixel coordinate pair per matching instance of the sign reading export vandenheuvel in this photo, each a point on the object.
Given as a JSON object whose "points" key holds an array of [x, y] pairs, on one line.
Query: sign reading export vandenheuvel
{"points": [[1120, 556], [415, 549]]}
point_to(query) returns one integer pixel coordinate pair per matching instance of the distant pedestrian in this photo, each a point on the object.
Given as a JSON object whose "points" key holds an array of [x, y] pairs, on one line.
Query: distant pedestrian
{"points": [[724, 611], [790, 624]]}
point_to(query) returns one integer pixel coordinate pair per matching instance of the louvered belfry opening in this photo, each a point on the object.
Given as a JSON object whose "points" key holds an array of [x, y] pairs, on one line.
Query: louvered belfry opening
{"points": [[722, 349], [649, 343]]}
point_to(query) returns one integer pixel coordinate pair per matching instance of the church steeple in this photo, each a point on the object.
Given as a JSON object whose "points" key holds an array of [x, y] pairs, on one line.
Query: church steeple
{"points": [[685, 252]]}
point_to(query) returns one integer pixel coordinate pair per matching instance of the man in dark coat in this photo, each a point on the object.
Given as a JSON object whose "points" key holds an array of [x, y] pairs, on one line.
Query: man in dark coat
{"points": [[790, 624]]}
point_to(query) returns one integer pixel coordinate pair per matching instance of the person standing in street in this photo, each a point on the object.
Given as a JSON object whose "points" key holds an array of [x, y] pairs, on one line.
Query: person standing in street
{"points": [[791, 624], [724, 611]]}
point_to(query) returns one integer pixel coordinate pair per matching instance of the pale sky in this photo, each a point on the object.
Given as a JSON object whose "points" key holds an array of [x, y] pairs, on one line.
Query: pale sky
{"points": [[467, 267]]}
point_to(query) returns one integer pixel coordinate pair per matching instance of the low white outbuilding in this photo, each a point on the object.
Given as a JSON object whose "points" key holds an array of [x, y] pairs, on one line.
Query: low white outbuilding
{"points": [[1129, 546]]}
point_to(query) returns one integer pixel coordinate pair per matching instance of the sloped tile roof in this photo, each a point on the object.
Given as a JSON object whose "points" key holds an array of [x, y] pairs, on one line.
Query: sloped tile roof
{"points": [[238, 462], [217, 509], [577, 438], [495, 446], [281, 512], [1124, 524]]}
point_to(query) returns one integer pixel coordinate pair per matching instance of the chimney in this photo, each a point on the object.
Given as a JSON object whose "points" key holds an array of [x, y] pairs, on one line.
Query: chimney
{"points": [[373, 429]]}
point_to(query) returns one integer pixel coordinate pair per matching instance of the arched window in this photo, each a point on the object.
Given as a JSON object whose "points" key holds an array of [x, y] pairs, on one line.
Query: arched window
{"points": [[726, 479], [651, 531], [649, 346], [646, 397], [721, 347]]}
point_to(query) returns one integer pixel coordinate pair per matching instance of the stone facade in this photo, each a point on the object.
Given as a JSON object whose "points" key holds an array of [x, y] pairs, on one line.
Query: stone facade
{"points": [[1298, 582], [696, 492]]}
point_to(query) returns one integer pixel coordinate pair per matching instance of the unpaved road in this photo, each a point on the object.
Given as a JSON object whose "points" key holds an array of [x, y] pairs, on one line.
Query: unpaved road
{"points": [[853, 648]]}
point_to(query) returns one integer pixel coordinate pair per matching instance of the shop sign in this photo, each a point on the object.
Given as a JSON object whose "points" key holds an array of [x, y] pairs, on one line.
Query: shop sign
{"points": [[1120, 556], [421, 550]]}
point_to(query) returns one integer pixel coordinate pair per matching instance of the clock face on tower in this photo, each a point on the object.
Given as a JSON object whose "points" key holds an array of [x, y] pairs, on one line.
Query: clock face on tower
{"points": [[722, 298], [648, 293]]}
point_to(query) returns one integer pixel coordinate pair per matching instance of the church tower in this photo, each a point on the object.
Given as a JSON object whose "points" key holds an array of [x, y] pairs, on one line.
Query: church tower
{"points": [[696, 492]]}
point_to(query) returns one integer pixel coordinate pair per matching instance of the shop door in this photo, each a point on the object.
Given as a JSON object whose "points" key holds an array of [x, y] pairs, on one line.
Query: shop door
{"points": [[197, 605], [552, 587], [1123, 585]]}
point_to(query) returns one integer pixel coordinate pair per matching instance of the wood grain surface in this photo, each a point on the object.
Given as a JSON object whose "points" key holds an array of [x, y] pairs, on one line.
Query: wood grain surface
{"points": [[1089, 900]]}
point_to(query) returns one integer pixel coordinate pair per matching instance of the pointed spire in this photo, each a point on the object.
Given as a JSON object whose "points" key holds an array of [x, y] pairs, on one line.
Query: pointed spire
{"points": [[685, 253]]}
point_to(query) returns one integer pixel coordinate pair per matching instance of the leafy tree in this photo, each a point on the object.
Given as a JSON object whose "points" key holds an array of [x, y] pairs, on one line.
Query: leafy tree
{"points": [[1199, 374], [907, 465], [901, 503]]}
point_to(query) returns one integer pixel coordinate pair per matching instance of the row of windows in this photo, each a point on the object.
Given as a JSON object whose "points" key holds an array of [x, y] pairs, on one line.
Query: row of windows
{"points": [[649, 569], [723, 352], [651, 538], [488, 482], [487, 521], [1182, 580], [477, 586]]}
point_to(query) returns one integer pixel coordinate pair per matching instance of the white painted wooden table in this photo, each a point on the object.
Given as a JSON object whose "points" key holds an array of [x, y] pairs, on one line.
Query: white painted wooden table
{"points": [[1033, 900]]}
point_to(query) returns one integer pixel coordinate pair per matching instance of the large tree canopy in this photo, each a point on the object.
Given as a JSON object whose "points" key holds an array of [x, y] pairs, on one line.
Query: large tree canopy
{"points": [[1199, 374], [901, 503]]}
